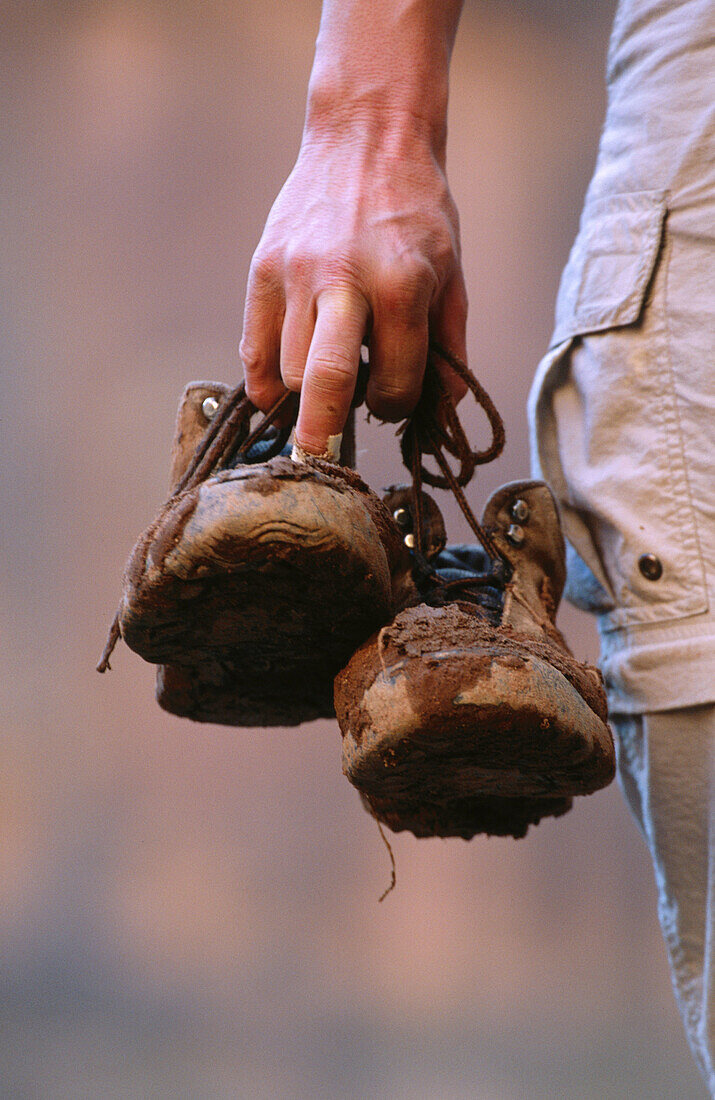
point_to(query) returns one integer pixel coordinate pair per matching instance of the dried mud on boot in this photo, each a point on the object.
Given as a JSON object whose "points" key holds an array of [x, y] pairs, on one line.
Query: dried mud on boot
{"points": [[255, 583], [467, 713]]}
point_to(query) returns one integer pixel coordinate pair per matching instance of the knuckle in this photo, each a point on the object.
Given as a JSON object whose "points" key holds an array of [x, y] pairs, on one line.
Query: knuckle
{"points": [[299, 263], [324, 265], [444, 255], [253, 359], [345, 267], [292, 376], [405, 291], [266, 267], [392, 401], [334, 372]]}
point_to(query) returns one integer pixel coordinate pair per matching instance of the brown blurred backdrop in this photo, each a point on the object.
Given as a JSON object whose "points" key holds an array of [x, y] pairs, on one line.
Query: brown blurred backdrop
{"points": [[191, 911]]}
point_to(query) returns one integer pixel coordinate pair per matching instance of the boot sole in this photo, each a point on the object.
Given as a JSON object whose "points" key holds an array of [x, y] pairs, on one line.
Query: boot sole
{"points": [[479, 722], [487, 815], [253, 599]]}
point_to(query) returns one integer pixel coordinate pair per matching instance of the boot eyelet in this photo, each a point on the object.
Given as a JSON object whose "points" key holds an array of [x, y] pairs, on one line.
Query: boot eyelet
{"points": [[402, 518], [520, 511], [209, 407], [515, 535]]}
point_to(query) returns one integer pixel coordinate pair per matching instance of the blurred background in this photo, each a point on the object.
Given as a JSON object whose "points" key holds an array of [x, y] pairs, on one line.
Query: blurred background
{"points": [[190, 911]]}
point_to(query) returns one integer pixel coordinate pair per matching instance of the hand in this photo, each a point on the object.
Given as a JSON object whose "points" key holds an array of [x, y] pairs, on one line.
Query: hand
{"points": [[361, 246]]}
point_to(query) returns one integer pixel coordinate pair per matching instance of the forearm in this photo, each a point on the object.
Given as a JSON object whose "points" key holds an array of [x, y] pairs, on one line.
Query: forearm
{"points": [[383, 64], [362, 244]]}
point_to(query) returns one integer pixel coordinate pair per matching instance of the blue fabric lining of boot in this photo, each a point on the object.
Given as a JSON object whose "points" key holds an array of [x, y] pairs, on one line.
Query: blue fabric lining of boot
{"points": [[261, 447], [456, 563], [461, 563]]}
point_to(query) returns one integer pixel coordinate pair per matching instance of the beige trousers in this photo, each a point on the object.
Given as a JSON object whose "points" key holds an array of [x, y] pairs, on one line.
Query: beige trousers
{"points": [[666, 765]]}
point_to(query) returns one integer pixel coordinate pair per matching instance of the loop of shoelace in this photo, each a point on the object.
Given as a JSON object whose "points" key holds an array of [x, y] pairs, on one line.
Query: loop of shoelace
{"points": [[433, 428]]}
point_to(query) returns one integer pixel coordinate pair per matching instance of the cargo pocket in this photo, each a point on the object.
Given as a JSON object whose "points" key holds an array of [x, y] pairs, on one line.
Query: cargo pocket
{"points": [[605, 424]]}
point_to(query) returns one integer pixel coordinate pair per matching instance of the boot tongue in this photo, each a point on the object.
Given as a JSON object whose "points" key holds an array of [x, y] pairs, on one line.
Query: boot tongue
{"points": [[468, 578], [463, 575]]}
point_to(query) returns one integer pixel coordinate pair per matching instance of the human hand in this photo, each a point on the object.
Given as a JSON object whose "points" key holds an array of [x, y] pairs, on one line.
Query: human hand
{"points": [[361, 246]]}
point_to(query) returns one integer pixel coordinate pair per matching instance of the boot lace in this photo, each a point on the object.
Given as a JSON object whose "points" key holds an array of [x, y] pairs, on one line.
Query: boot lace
{"points": [[434, 429]]}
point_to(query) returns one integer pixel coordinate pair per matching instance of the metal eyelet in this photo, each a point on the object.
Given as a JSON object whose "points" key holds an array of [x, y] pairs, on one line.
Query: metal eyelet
{"points": [[515, 535], [209, 407]]}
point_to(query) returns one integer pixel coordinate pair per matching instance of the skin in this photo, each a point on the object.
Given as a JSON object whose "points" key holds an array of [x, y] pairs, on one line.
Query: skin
{"points": [[362, 243]]}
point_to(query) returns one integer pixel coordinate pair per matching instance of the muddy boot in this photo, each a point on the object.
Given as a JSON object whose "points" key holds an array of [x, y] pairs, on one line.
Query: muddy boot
{"points": [[254, 585], [467, 713]]}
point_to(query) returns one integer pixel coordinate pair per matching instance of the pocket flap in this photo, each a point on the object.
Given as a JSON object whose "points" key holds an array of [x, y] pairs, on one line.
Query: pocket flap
{"points": [[607, 275]]}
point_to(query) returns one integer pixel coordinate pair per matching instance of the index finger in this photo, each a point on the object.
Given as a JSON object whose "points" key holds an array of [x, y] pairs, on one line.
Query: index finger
{"points": [[331, 370]]}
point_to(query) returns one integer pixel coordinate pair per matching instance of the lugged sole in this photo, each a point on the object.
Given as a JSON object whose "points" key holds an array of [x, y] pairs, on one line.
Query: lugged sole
{"points": [[488, 815], [254, 598], [471, 722]]}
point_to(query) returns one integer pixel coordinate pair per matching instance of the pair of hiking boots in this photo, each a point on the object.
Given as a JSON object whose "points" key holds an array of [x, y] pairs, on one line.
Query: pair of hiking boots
{"points": [[273, 591]]}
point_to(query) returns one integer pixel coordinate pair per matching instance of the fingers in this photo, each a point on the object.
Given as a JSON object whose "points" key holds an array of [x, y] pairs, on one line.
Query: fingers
{"points": [[448, 325], [298, 326], [399, 342], [331, 368], [261, 340], [308, 345], [312, 345], [403, 327]]}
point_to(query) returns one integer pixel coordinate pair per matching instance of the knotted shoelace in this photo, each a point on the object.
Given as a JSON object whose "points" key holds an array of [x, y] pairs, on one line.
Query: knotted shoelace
{"points": [[434, 428]]}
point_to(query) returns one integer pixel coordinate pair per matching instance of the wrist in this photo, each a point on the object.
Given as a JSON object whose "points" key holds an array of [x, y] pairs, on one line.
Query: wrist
{"points": [[382, 67], [378, 107]]}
